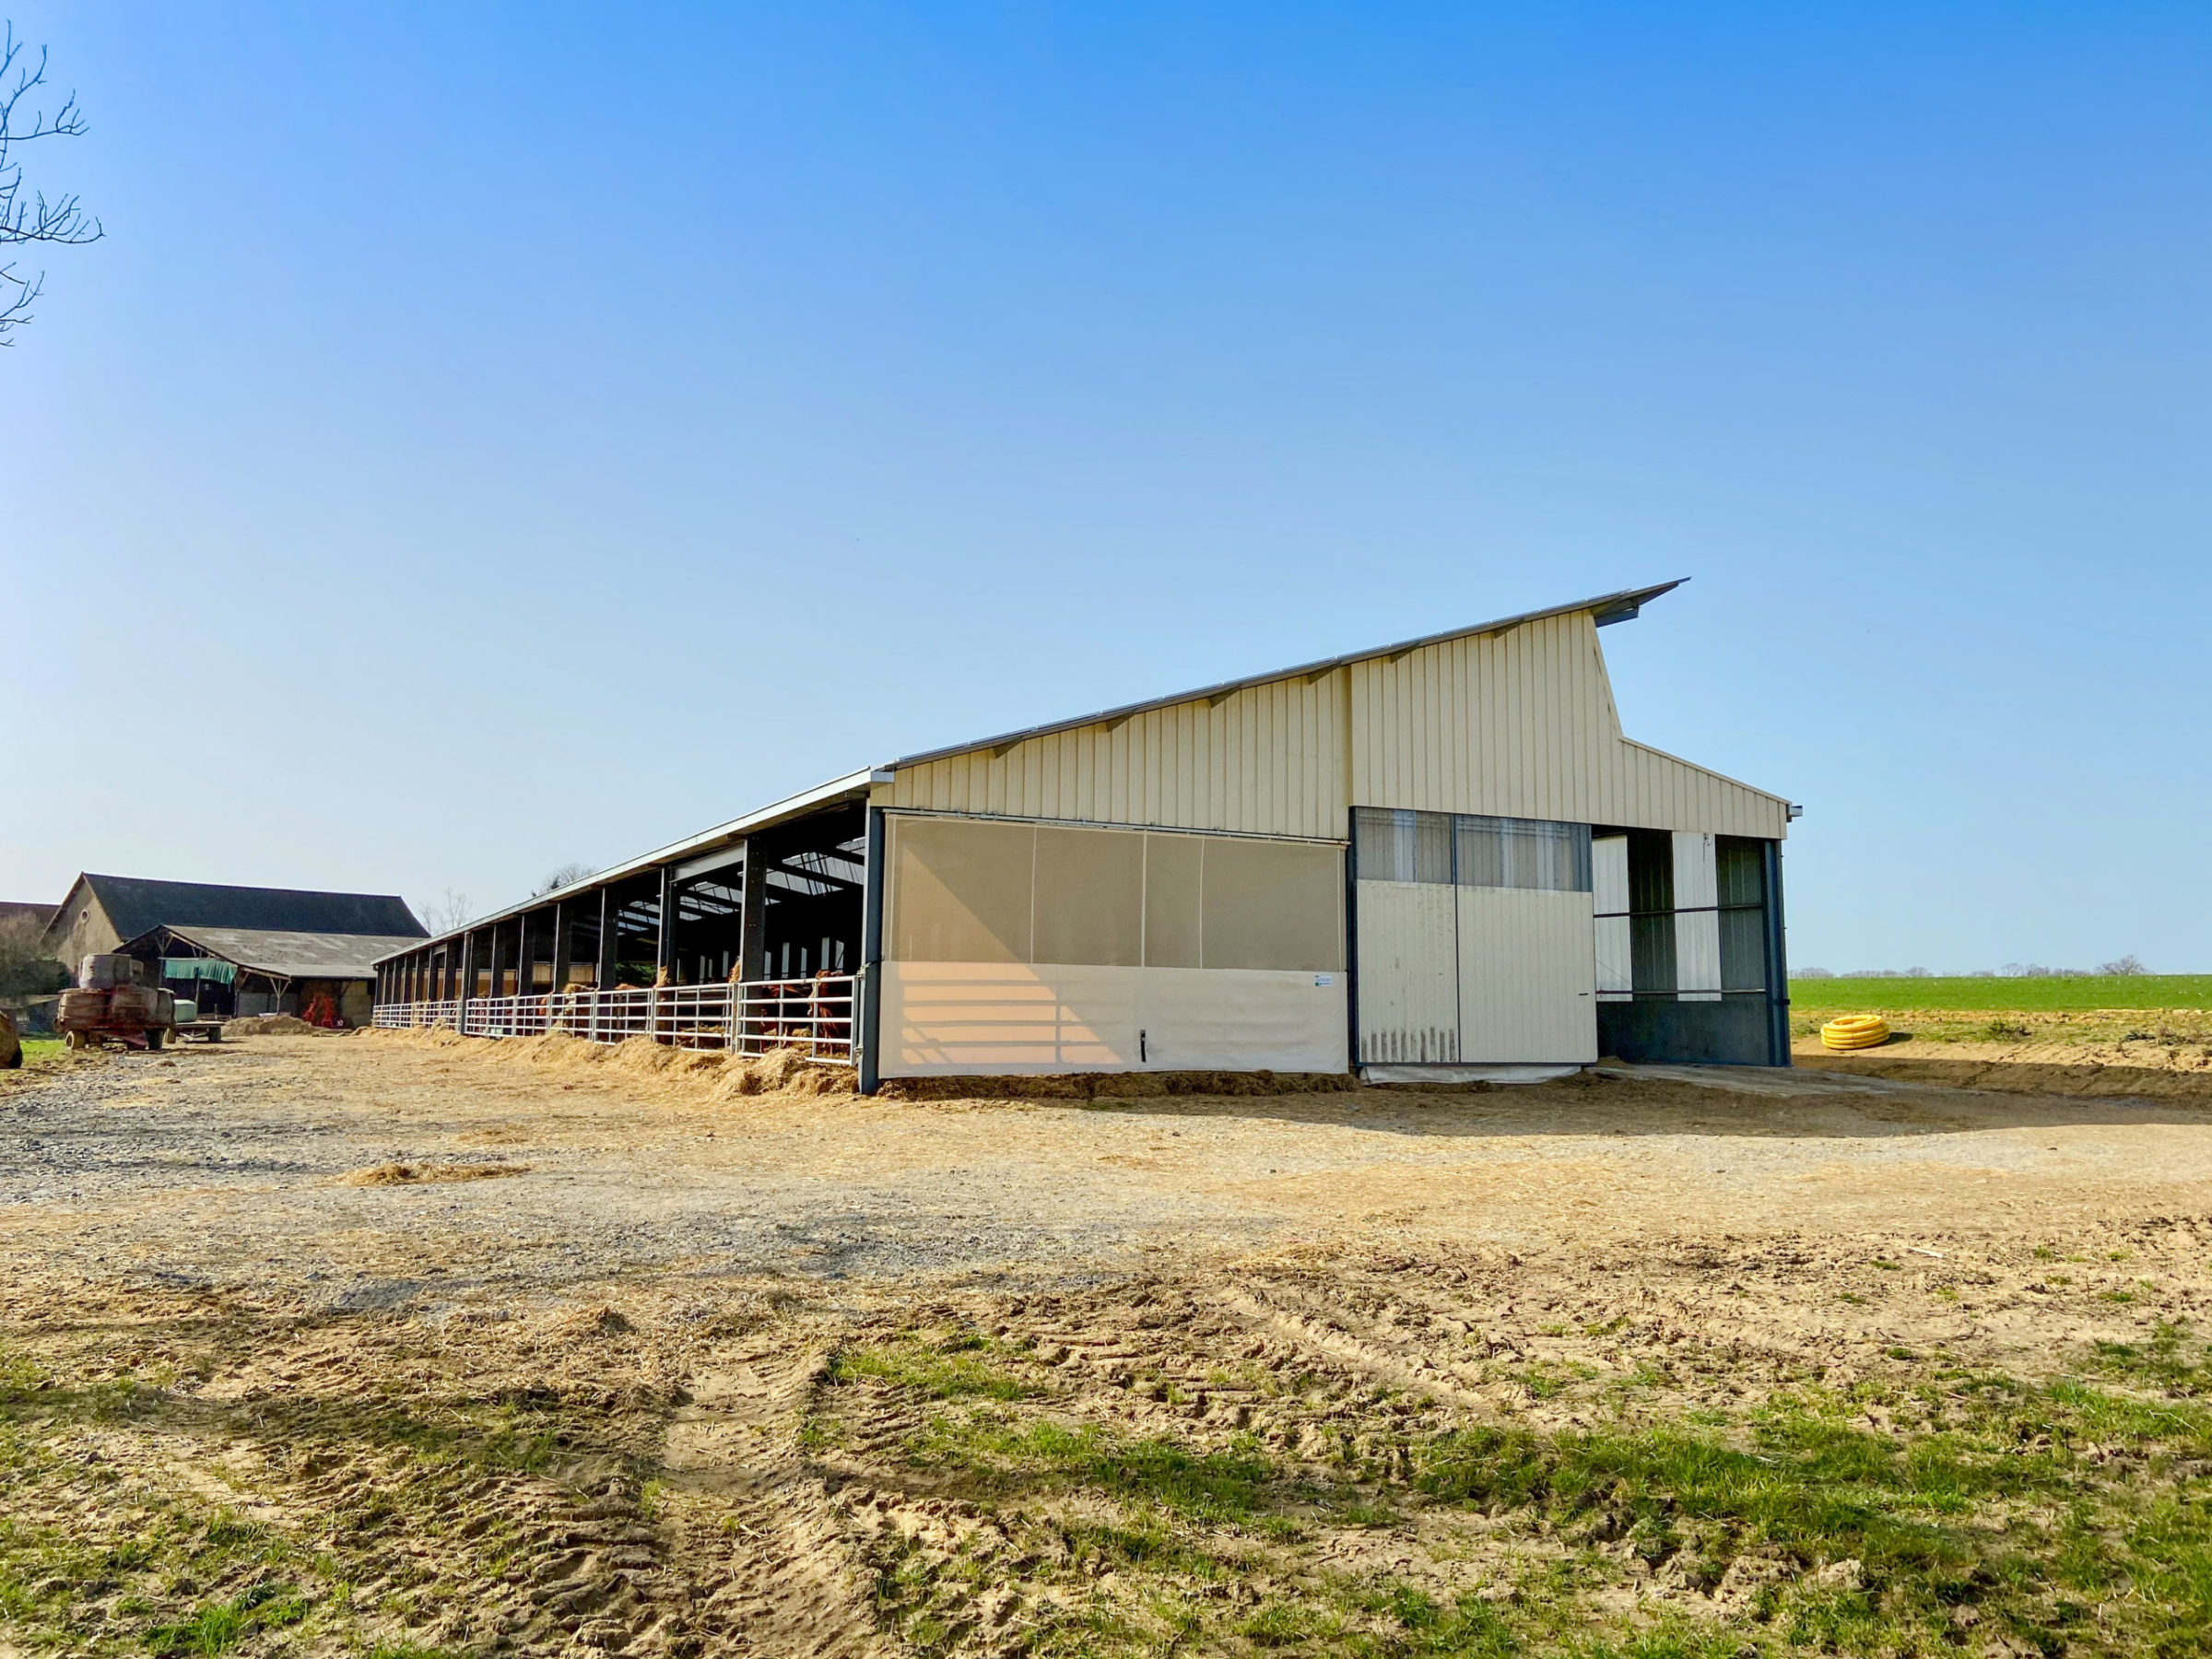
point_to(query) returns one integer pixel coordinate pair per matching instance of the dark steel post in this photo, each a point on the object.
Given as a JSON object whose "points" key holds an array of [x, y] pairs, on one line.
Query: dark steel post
{"points": [[1351, 942], [663, 950], [562, 946], [610, 922], [752, 912], [1777, 963], [468, 977], [868, 984]]}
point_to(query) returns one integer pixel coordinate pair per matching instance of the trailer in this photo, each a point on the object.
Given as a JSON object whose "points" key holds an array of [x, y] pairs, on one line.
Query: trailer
{"points": [[114, 1001]]}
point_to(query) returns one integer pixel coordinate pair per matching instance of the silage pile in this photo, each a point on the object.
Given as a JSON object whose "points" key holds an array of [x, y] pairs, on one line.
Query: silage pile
{"points": [[706, 1072]]}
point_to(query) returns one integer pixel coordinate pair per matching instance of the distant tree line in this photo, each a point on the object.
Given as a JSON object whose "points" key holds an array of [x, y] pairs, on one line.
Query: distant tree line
{"points": [[2120, 969]]}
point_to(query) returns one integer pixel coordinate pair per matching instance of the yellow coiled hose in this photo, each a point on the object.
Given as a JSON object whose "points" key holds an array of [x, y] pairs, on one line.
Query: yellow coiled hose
{"points": [[1854, 1031]]}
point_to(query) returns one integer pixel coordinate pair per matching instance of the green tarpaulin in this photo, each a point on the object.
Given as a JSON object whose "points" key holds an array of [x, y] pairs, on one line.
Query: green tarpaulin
{"points": [[198, 968]]}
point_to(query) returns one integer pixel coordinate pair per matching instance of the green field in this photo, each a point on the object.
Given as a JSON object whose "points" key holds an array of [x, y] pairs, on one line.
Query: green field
{"points": [[2011, 996]]}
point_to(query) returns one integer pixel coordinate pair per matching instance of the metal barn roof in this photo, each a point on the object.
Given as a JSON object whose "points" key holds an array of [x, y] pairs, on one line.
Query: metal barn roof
{"points": [[136, 905], [295, 954]]}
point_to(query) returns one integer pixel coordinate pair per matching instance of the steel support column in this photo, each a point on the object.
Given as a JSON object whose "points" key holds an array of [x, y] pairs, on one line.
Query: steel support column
{"points": [[610, 920], [664, 947], [752, 916], [560, 948], [868, 985], [1778, 962], [468, 977]]}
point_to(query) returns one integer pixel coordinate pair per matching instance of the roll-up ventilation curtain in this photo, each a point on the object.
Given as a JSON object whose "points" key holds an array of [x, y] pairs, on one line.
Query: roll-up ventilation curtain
{"points": [[976, 890]]}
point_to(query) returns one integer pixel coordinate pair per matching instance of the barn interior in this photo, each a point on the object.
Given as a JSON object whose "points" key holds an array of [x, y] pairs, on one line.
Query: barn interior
{"points": [[779, 899]]}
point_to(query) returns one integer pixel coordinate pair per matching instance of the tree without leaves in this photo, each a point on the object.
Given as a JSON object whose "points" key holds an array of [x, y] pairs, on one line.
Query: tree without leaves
{"points": [[566, 874], [60, 223], [447, 914]]}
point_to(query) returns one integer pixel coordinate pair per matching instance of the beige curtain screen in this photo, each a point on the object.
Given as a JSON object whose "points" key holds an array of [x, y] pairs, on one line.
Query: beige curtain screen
{"points": [[973, 891]]}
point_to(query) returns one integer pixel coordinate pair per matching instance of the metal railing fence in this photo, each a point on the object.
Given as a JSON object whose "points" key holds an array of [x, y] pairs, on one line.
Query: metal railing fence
{"points": [[417, 1016], [813, 1015]]}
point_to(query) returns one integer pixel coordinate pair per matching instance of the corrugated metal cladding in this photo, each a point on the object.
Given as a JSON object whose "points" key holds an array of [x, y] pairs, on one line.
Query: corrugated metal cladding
{"points": [[1267, 760], [1516, 725], [1522, 725]]}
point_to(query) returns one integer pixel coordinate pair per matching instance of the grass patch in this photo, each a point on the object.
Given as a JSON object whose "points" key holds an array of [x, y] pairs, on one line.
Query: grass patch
{"points": [[218, 1626], [1222, 1488], [956, 1368], [1990, 1504], [1944, 1511], [2181, 991]]}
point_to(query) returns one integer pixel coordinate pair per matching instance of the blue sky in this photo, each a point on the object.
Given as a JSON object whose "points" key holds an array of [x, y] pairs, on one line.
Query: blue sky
{"points": [[492, 436]]}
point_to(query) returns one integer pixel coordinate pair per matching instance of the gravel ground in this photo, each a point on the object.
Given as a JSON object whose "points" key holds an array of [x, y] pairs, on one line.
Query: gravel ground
{"points": [[229, 1167]]}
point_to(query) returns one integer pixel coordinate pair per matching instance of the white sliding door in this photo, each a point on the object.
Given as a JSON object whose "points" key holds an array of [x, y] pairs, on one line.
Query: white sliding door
{"points": [[1528, 977], [1409, 973], [1477, 940]]}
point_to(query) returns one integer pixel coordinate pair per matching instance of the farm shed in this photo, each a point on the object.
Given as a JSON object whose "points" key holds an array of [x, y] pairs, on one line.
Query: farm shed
{"points": [[237, 949], [326, 979], [1440, 858]]}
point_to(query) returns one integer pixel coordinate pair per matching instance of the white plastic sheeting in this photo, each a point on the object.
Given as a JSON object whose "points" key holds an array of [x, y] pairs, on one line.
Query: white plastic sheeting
{"points": [[954, 1018], [1609, 894], [1697, 922]]}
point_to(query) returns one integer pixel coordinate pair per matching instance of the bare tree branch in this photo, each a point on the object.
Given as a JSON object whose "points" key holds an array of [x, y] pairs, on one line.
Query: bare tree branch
{"points": [[61, 222]]}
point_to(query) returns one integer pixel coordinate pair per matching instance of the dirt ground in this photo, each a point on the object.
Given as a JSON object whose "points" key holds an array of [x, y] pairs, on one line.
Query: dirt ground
{"points": [[384, 1345]]}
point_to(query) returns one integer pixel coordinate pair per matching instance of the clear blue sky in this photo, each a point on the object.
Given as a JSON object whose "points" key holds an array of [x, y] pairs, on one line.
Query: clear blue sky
{"points": [[491, 436]]}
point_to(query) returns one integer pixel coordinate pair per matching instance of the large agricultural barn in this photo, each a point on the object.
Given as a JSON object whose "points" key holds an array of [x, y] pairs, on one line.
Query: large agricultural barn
{"points": [[238, 949], [1435, 859]]}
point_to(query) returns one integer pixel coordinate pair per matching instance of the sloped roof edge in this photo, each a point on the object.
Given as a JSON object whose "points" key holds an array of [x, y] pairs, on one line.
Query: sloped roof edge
{"points": [[1606, 609]]}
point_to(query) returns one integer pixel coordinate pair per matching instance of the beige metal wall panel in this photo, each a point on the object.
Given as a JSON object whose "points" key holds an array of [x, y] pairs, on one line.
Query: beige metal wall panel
{"points": [[1519, 723], [1528, 977], [1004, 1018], [1409, 973], [1267, 760], [1522, 725], [1659, 790]]}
